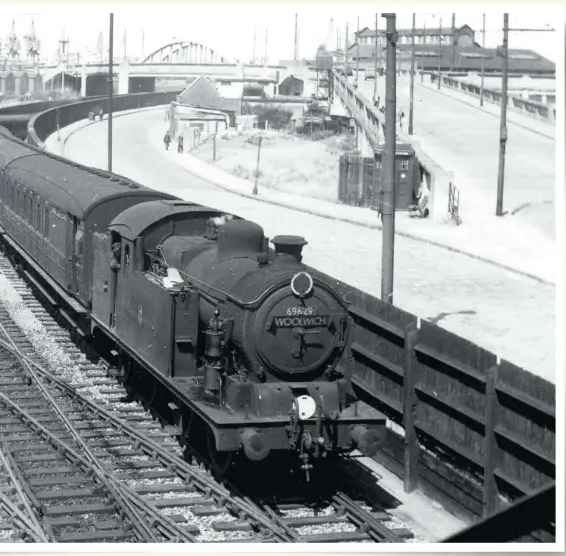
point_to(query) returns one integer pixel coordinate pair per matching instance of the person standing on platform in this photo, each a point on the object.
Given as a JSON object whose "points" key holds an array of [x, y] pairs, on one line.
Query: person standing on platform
{"points": [[167, 140], [180, 143]]}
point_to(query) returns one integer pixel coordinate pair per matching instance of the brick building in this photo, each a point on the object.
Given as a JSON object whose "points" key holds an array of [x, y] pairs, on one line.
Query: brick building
{"points": [[430, 44]]}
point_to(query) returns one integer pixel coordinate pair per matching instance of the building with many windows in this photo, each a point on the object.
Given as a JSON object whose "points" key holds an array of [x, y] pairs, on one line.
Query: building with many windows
{"points": [[434, 50], [462, 36]]}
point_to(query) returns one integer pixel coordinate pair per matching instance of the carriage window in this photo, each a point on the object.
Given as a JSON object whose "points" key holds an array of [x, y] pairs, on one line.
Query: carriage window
{"points": [[46, 222], [126, 255], [38, 223], [79, 240]]}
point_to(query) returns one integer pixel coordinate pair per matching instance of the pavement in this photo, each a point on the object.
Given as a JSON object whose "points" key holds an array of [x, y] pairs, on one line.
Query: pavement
{"points": [[475, 299]]}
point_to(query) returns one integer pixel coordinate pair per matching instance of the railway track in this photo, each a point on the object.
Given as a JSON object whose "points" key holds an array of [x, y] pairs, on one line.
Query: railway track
{"points": [[80, 464]]}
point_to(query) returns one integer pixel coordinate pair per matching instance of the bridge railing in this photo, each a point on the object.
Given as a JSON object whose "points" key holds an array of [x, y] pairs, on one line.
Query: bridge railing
{"points": [[44, 124], [370, 120], [535, 109]]}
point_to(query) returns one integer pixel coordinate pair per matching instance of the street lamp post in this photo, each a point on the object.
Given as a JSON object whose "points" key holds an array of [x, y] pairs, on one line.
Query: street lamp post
{"points": [[412, 91], [110, 89]]}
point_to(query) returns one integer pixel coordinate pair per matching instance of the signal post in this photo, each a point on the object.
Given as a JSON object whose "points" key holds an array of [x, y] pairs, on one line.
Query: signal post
{"points": [[388, 205]]}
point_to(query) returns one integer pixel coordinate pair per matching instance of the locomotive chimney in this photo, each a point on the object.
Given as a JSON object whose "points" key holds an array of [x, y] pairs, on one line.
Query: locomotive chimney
{"points": [[290, 245]]}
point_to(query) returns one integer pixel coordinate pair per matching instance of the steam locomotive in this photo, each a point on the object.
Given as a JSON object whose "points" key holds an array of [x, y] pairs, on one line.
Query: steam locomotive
{"points": [[240, 343]]}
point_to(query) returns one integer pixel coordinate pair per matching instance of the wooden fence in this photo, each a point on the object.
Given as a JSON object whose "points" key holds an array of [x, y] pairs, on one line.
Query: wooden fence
{"points": [[357, 182], [480, 432]]}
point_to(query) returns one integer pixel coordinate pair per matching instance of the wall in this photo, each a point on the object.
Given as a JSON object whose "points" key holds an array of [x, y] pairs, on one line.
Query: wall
{"points": [[536, 110], [44, 124]]}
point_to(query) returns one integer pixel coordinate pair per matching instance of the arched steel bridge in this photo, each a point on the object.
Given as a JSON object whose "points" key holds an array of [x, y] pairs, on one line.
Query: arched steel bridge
{"points": [[186, 52]]}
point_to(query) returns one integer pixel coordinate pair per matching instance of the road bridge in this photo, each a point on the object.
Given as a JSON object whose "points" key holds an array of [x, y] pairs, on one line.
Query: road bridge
{"points": [[179, 60], [458, 141]]}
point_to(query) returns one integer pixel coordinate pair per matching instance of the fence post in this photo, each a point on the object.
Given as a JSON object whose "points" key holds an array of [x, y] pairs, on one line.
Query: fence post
{"points": [[490, 490], [410, 409], [254, 192]]}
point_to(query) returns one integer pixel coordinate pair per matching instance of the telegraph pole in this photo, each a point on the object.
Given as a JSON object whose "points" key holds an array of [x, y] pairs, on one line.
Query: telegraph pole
{"points": [[439, 50], [110, 89], [265, 53], [296, 37], [375, 58], [358, 52], [253, 59], [422, 52], [453, 42], [346, 54], [503, 123], [388, 205], [412, 93], [482, 59]]}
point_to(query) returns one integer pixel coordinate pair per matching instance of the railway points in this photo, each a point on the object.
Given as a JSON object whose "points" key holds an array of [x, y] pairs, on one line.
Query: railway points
{"points": [[52, 396]]}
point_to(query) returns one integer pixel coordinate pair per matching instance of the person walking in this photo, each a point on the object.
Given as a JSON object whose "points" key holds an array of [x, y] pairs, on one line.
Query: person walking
{"points": [[180, 143], [401, 117], [167, 140]]}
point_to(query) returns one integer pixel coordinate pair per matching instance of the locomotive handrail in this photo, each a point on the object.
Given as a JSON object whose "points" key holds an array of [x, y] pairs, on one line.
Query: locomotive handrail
{"points": [[225, 296]]}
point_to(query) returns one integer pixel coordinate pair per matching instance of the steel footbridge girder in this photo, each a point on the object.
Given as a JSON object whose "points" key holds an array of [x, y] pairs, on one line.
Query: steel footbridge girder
{"points": [[186, 52]]}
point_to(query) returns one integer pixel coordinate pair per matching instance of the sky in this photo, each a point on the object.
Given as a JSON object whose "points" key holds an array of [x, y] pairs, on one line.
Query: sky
{"points": [[229, 28]]}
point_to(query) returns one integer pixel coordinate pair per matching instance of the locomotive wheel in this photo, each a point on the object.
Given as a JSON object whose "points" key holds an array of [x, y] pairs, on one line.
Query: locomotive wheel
{"points": [[126, 376], [219, 461], [149, 394]]}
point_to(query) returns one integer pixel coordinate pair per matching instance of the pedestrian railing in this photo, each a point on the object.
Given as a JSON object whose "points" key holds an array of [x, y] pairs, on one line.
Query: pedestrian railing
{"points": [[454, 203]]}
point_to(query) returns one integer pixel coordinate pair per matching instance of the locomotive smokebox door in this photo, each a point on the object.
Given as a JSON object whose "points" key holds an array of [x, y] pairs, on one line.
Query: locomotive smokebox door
{"points": [[298, 330]]}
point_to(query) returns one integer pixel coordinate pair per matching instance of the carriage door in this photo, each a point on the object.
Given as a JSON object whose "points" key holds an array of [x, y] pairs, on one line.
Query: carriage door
{"points": [[78, 254]]}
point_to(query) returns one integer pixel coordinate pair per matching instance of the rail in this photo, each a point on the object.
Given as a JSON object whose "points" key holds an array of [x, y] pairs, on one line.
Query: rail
{"points": [[174, 464], [42, 125], [536, 109]]}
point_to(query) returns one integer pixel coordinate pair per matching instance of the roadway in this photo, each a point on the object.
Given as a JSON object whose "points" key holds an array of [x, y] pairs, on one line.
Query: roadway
{"points": [[464, 138], [478, 301]]}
